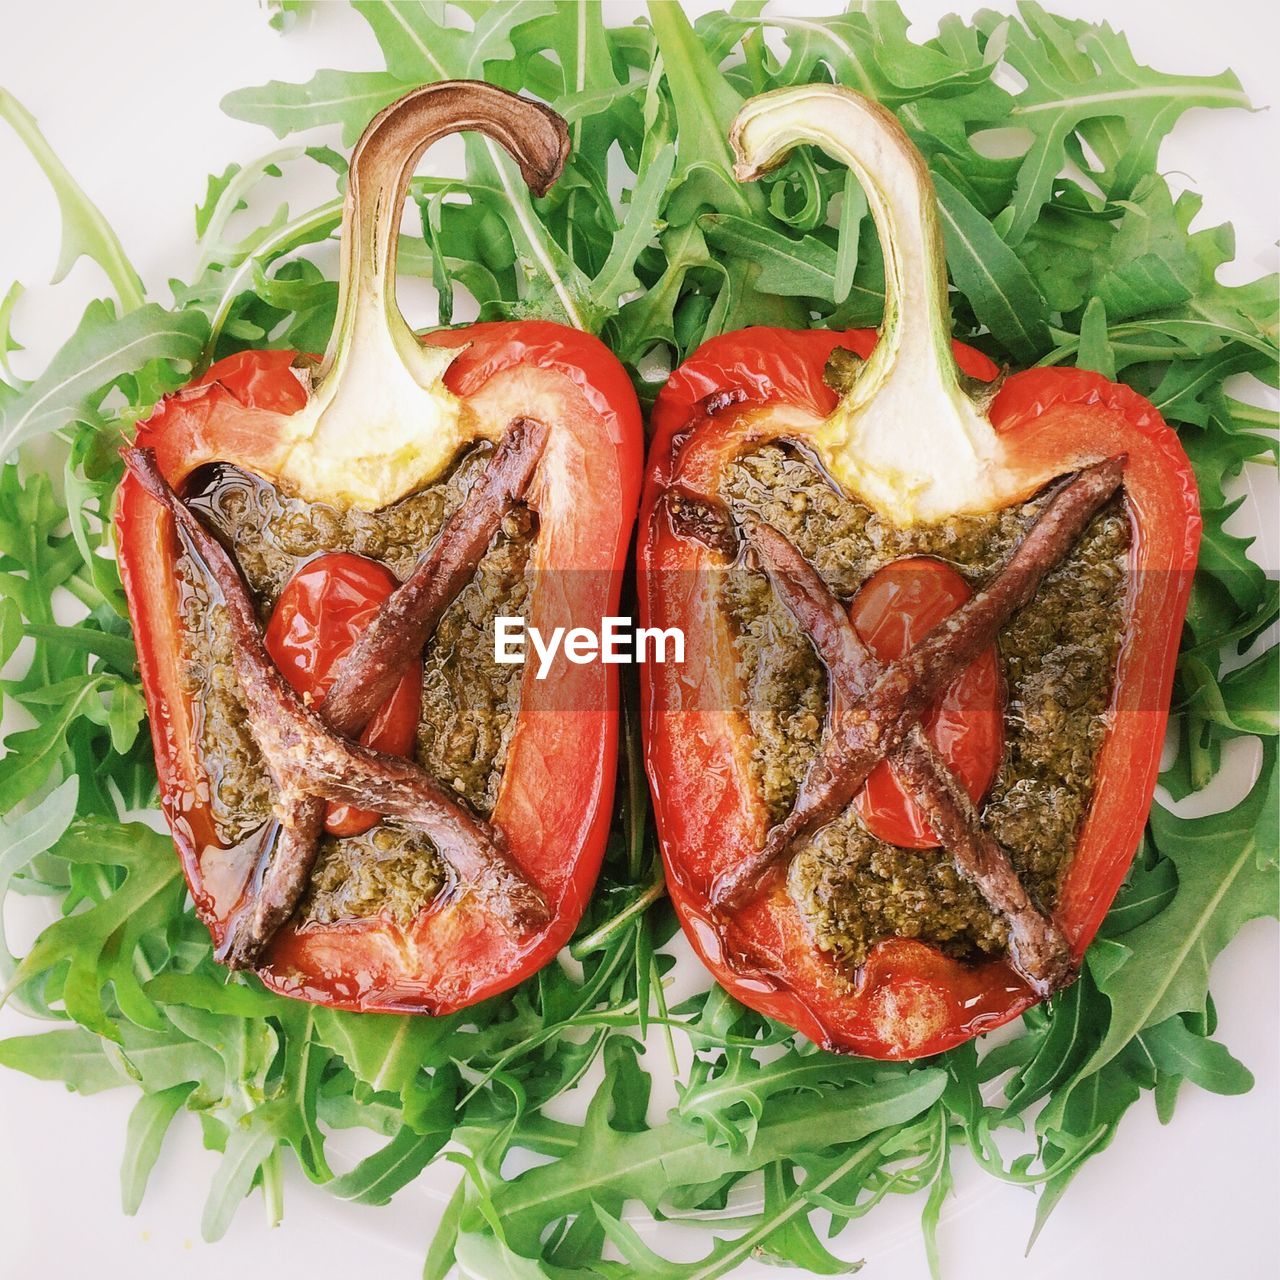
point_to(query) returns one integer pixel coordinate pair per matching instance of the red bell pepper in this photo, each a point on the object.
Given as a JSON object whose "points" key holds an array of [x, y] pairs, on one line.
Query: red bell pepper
{"points": [[383, 415], [910, 441]]}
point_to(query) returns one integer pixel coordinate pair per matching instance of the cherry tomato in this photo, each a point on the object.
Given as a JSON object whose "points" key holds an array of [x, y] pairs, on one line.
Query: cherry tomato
{"points": [[892, 612], [319, 614]]}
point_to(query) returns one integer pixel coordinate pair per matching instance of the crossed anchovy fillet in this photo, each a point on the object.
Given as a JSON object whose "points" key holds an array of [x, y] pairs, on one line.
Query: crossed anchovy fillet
{"points": [[876, 709], [310, 752]]}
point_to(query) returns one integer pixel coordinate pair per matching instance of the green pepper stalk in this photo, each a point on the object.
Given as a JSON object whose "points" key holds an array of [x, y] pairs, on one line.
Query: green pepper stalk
{"points": [[907, 437]]}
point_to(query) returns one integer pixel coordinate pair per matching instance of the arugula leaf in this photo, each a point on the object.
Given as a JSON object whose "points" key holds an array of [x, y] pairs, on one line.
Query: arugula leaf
{"points": [[705, 104], [33, 754], [610, 1166], [8, 343], [782, 1234], [25, 836], [999, 289], [117, 650], [148, 1123], [1161, 972], [1083, 79], [379, 1176], [1094, 351], [347, 98], [617, 276], [103, 349], [76, 1057], [1220, 886], [791, 268], [85, 232], [95, 949], [713, 1097], [248, 1148], [1177, 1051]]}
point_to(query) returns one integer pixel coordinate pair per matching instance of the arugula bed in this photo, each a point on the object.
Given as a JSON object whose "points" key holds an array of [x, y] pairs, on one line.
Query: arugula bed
{"points": [[1074, 252]]}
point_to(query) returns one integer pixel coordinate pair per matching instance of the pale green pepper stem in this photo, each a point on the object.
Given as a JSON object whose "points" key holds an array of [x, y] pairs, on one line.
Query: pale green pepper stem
{"points": [[381, 168], [905, 437], [916, 330]]}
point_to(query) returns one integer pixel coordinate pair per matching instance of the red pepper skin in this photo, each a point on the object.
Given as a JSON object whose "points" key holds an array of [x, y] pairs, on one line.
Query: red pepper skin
{"points": [[555, 802], [909, 1000], [319, 614]]}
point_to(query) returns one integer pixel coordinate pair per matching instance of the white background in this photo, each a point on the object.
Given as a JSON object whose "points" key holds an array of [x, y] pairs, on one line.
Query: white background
{"points": [[128, 95]]}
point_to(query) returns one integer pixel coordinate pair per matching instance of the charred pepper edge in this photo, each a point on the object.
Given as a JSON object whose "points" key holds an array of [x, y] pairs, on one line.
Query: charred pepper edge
{"points": [[878, 721], [305, 757]]}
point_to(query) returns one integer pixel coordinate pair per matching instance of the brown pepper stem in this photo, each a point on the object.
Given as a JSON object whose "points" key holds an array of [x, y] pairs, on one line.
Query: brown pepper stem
{"points": [[381, 167], [380, 421]]}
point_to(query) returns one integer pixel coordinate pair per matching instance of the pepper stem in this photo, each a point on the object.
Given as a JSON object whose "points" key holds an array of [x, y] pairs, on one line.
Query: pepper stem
{"points": [[380, 422], [906, 436], [382, 165]]}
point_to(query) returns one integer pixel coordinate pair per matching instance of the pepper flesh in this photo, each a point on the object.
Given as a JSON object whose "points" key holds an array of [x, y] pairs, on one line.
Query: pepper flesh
{"points": [[743, 390], [553, 803]]}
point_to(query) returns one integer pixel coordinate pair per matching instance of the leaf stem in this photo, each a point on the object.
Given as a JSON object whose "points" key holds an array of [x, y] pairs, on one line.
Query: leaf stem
{"points": [[273, 1187], [600, 938]]}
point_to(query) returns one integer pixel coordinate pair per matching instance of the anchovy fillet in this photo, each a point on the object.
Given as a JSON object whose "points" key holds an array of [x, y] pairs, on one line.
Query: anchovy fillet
{"points": [[872, 727], [368, 674], [876, 708]]}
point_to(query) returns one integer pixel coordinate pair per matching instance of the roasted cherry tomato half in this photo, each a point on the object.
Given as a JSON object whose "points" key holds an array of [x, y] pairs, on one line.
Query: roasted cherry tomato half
{"points": [[319, 614], [892, 613]]}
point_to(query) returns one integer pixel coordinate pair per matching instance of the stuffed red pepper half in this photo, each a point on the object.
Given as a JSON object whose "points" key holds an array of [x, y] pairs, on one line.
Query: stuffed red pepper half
{"points": [[931, 618], [372, 810]]}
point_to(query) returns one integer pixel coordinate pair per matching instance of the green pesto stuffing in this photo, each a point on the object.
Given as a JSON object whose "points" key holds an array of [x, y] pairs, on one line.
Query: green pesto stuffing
{"points": [[387, 870], [469, 702], [1058, 657]]}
